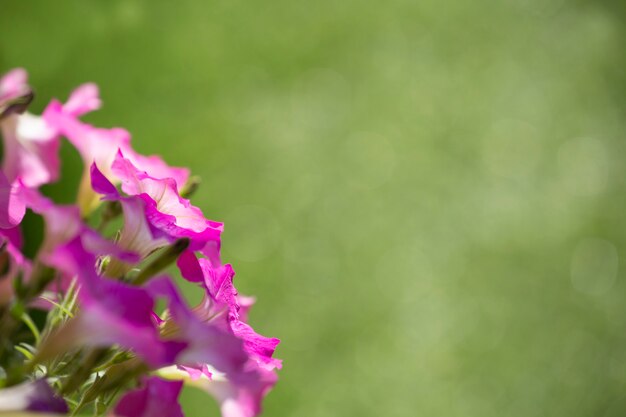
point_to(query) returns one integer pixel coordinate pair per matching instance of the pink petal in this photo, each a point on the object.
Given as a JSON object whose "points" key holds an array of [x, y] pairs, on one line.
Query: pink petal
{"points": [[12, 207], [31, 150], [13, 85], [83, 99]]}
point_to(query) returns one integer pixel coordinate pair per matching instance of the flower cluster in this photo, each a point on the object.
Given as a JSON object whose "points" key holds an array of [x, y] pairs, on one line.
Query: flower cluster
{"points": [[89, 321]]}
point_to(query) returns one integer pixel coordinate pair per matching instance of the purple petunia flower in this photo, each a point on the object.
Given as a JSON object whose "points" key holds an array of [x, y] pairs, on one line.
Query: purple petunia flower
{"points": [[31, 396]]}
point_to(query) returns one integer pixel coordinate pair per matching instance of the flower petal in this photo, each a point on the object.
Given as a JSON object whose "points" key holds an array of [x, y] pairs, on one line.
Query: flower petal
{"points": [[12, 206], [31, 150], [84, 99]]}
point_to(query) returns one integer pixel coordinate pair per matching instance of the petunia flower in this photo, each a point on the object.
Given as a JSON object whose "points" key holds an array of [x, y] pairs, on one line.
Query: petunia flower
{"points": [[136, 316], [154, 211], [165, 208], [137, 235], [31, 145], [36, 396]]}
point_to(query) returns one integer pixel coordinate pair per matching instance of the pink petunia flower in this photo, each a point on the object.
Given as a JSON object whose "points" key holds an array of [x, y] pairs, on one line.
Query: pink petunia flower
{"points": [[31, 144], [154, 211]]}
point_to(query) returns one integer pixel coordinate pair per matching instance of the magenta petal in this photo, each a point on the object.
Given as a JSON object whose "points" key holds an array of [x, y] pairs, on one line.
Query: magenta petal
{"points": [[156, 397], [189, 267], [197, 372], [101, 184]]}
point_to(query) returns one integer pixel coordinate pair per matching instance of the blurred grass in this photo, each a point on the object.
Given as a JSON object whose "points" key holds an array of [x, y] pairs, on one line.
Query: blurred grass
{"points": [[428, 197]]}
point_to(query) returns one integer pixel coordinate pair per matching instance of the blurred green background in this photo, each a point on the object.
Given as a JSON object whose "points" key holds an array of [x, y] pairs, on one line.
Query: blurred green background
{"points": [[427, 197]]}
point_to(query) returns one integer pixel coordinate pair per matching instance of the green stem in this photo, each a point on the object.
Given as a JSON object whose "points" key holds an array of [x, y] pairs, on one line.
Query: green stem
{"points": [[165, 258], [91, 359]]}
